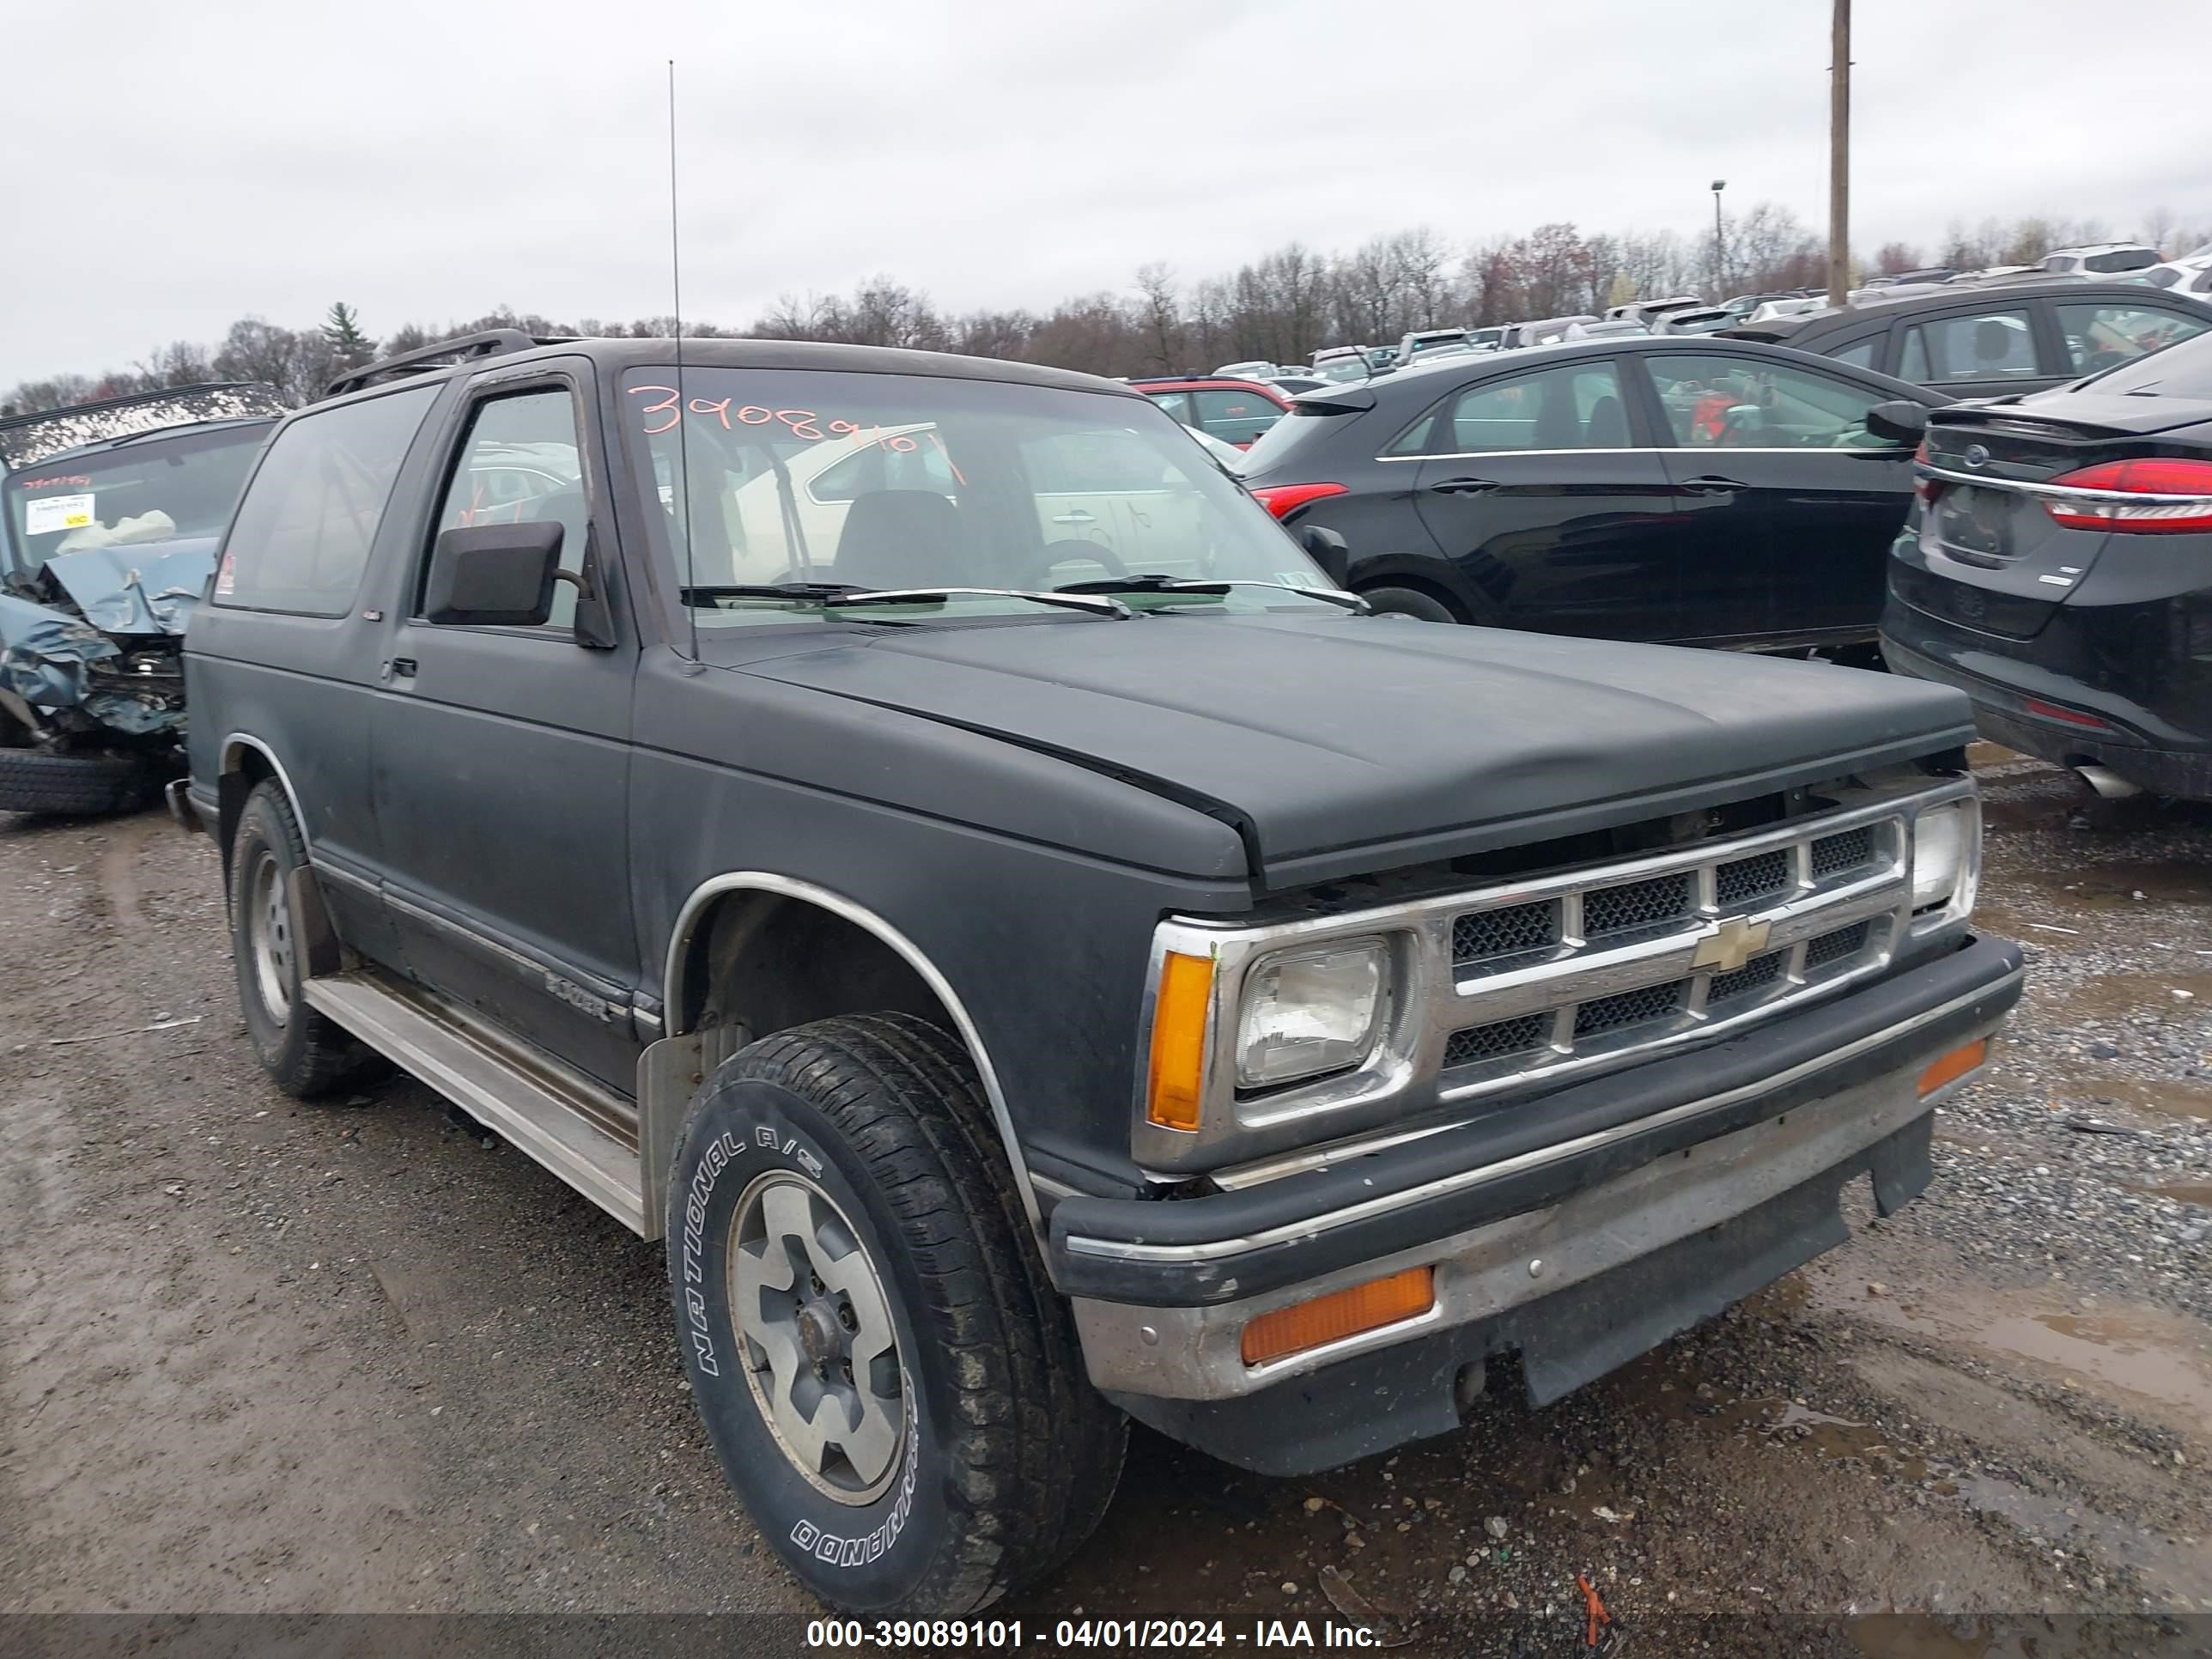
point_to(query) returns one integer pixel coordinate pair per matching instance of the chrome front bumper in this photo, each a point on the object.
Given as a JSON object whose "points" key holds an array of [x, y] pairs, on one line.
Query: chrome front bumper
{"points": [[1192, 1353]]}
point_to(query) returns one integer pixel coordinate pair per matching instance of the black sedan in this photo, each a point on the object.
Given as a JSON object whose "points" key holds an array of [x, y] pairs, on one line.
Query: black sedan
{"points": [[1700, 491], [2059, 569], [1992, 343]]}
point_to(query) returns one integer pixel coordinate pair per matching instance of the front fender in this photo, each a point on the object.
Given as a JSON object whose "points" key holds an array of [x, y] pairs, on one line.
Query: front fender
{"points": [[45, 654]]}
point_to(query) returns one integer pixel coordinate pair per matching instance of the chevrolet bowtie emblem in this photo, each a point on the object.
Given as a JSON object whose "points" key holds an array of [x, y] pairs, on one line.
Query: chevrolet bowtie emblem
{"points": [[1732, 943]]}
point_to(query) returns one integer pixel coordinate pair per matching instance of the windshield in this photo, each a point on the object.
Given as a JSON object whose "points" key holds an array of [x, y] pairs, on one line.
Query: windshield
{"points": [[153, 490], [912, 482]]}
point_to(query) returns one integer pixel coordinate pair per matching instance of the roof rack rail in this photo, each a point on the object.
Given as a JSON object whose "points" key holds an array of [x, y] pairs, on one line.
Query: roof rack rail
{"points": [[491, 343]]}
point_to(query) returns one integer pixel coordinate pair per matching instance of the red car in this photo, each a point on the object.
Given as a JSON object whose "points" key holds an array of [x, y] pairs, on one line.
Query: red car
{"points": [[1235, 412]]}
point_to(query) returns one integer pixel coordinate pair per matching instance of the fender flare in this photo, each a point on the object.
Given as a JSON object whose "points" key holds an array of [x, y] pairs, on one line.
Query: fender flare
{"points": [[762, 881]]}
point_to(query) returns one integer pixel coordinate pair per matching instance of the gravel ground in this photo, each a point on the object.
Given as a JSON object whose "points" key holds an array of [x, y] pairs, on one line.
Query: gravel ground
{"points": [[263, 1358]]}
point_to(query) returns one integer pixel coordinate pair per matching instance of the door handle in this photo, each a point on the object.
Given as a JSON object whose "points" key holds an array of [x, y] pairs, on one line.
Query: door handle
{"points": [[399, 668], [1710, 484], [1076, 517], [1464, 486]]}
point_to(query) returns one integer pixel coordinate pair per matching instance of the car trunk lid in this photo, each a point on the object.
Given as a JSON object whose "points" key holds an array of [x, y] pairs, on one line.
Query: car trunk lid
{"points": [[1997, 562]]}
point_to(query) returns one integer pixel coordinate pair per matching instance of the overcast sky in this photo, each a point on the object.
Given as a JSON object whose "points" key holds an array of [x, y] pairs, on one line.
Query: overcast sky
{"points": [[165, 168]]}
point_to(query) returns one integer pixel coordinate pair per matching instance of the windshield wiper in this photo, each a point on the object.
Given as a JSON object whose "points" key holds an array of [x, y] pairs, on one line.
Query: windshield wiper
{"points": [[1202, 585], [1066, 598], [769, 591]]}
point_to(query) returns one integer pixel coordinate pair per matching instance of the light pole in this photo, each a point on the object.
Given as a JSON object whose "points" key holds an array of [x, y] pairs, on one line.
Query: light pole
{"points": [[1720, 243], [1839, 156]]}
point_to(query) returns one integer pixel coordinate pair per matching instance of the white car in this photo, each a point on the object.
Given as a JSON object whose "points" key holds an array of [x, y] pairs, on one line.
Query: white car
{"points": [[1142, 510], [1767, 311], [2099, 259], [2187, 275]]}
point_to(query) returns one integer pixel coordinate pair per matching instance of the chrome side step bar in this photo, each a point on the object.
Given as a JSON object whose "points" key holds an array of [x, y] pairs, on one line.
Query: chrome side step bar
{"points": [[583, 1134]]}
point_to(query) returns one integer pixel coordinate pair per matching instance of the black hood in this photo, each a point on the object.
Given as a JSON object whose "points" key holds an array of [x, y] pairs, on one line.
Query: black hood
{"points": [[1341, 743]]}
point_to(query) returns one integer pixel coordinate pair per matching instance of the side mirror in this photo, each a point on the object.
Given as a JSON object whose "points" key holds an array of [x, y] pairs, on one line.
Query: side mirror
{"points": [[1328, 550], [1900, 421], [494, 575]]}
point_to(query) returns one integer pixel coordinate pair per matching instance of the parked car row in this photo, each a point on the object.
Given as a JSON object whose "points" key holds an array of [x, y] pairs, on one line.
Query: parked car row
{"points": [[1655, 487], [1995, 343]]}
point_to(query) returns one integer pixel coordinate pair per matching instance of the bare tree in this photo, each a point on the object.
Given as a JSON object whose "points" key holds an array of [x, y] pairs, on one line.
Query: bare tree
{"points": [[1163, 315]]}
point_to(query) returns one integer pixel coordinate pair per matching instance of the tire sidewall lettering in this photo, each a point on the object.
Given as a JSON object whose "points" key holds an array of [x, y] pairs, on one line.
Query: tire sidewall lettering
{"points": [[743, 1130]]}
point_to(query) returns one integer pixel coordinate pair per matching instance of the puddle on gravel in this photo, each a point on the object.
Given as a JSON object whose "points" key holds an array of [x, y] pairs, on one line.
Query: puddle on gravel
{"points": [[2073, 1089], [2137, 1357], [2116, 886], [2199, 1193], [2168, 1567]]}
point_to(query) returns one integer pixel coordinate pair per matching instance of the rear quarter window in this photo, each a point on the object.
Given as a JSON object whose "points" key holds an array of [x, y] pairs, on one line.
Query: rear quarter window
{"points": [[302, 533]]}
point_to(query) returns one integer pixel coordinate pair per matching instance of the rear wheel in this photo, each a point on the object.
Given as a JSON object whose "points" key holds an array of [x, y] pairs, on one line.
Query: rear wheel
{"points": [[1408, 602], [305, 1052], [890, 1382]]}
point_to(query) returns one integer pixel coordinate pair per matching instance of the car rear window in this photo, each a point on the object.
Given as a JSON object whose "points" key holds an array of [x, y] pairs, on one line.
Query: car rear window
{"points": [[1300, 429], [2183, 371], [1235, 418], [2133, 258], [2106, 336]]}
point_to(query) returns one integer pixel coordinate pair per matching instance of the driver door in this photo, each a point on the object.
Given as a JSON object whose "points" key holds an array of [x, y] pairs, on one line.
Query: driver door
{"points": [[501, 756]]}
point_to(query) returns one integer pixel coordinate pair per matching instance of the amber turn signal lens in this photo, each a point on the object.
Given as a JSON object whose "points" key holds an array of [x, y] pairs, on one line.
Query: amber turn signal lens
{"points": [[1339, 1314], [1954, 1065], [1178, 1062]]}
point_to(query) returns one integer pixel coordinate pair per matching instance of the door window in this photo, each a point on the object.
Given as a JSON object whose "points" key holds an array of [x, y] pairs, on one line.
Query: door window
{"points": [[1578, 406], [520, 464], [1981, 345], [301, 537], [2106, 336], [1176, 403], [1859, 354], [1235, 418], [1716, 401]]}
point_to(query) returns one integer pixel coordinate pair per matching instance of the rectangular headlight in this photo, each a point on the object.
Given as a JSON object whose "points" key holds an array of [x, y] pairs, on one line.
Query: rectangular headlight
{"points": [[1938, 854], [1945, 863], [1309, 1012]]}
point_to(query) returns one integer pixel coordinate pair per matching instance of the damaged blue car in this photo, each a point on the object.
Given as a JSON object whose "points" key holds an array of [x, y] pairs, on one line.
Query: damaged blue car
{"points": [[110, 513]]}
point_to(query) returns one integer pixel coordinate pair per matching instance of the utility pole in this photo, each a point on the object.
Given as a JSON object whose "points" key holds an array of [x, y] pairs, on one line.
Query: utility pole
{"points": [[1839, 156], [1720, 245]]}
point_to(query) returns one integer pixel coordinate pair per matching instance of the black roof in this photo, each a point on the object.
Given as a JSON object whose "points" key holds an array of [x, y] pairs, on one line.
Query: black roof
{"points": [[2071, 290], [1420, 380], [511, 347]]}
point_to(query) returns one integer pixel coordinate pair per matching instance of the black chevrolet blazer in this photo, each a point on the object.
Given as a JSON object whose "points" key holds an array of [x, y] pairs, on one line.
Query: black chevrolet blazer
{"points": [[912, 834]]}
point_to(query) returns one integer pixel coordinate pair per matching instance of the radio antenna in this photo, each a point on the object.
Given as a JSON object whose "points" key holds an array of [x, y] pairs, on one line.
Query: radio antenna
{"points": [[683, 441]]}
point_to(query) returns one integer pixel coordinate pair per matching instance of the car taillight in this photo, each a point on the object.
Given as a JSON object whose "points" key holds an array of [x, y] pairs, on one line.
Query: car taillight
{"points": [[2175, 497], [1283, 500], [1926, 488]]}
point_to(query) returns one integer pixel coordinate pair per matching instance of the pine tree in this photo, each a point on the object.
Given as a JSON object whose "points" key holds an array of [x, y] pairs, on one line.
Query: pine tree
{"points": [[342, 328]]}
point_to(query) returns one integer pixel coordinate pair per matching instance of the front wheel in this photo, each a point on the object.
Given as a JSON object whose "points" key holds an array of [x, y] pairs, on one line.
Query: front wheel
{"points": [[888, 1379], [1408, 602]]}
